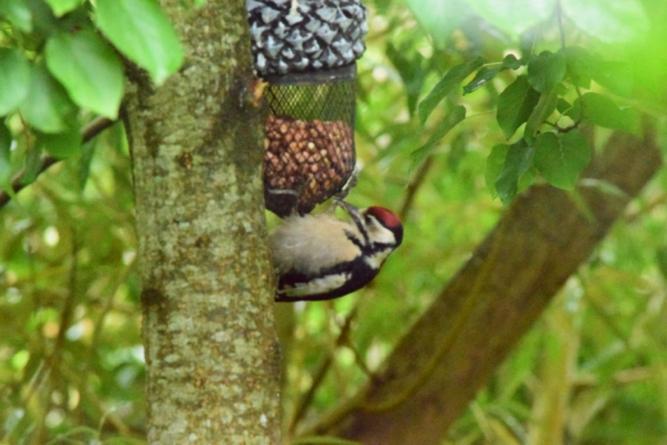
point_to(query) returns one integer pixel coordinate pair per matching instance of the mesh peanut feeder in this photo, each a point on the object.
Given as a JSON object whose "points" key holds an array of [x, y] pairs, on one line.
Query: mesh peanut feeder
{"points": [[305, 50], [309, 140]]}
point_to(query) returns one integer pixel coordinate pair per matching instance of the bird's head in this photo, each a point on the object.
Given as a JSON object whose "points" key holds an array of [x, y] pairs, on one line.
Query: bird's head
{"points": [[383, 226]]}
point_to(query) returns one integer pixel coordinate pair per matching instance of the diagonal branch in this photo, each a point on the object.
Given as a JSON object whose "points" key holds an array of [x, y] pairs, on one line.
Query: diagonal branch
{"points": [[443, 360], [87, 133], [413, 187]]}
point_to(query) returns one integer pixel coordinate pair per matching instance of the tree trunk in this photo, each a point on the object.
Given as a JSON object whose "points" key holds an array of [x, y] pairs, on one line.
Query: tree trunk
{"points": [[443, 360], [211, 351]]}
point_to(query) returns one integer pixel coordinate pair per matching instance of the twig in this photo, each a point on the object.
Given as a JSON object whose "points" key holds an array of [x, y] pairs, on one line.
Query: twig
{"points": [[307, 398], [559, 15], [561, 33], [606, 318], [649, 207], [53, 361], [414, 186], [106, 415], [322, 370], [622, 377], [68, 307], [360, 362], [87, 133]]}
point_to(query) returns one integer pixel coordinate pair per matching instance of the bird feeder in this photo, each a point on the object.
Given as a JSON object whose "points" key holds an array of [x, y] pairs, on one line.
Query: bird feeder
{"points": [[306, 51], [293, 36], [309, 141]]}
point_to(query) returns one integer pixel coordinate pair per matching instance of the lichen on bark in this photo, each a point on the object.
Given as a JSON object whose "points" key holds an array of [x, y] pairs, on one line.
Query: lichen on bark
{"points": [[211, 350]]}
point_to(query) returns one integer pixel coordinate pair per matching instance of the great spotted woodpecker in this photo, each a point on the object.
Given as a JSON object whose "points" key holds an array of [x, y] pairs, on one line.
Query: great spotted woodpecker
{"points": [[320, 257]]}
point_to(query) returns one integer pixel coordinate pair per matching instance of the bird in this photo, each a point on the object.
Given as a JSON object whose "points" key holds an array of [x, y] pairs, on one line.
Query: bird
{"points": [[321, 257]]}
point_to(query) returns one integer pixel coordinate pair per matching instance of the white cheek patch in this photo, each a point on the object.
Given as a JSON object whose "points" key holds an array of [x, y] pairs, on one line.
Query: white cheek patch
{"points": [[318, 286], [380, 234], [375, 261]]}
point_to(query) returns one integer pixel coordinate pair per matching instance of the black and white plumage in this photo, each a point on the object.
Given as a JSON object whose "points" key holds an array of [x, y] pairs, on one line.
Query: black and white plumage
{"points": [[320, 257], [287, 33]]}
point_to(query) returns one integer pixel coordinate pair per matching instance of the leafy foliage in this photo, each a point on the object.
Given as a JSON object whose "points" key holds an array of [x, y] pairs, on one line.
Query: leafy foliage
{"points": [[546, 70], [57, 72], [89, 70], [561, 159], [13, 86], [515, 105], [450, 81], [141, 31]]}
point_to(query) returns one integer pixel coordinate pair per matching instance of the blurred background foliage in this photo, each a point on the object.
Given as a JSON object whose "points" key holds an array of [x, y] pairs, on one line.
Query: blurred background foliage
{"points": [[593, 370]]}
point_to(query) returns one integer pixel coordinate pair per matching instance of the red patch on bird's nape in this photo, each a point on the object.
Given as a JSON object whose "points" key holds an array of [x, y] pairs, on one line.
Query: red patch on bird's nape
{"points": [[385, 216]]}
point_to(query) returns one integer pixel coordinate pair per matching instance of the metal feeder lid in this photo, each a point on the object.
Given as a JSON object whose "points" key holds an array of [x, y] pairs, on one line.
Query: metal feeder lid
{"points": [[295, 36]]}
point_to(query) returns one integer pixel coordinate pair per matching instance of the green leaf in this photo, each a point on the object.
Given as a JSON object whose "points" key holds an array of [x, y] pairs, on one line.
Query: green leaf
{"points": [[518, 161], [515, 104], [411, 71], [18, 13], [511, 62], [545, 106], [603, 111], [574, 112], [457, 151], [44, 23], [32, 164], [494, 166], [487, 73], [484, 75], [5, 139], [87, 153], [562, 158], [61, 145], [89, 69], [546, 70], [446, 85], [47, 107], [661, 259], [62, 7], [581, 65], [5, 156], [456, 115], [562, 105], [142, 31], [14, 79]]}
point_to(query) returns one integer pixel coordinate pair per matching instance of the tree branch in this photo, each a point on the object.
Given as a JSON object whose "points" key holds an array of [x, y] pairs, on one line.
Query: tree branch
{"points": [[413, 187], [439, 365], [87, 133]]}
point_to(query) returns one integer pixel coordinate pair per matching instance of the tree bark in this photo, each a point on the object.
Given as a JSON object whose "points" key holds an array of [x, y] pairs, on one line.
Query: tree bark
{"points": [[443, 360], [211, 351]]}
